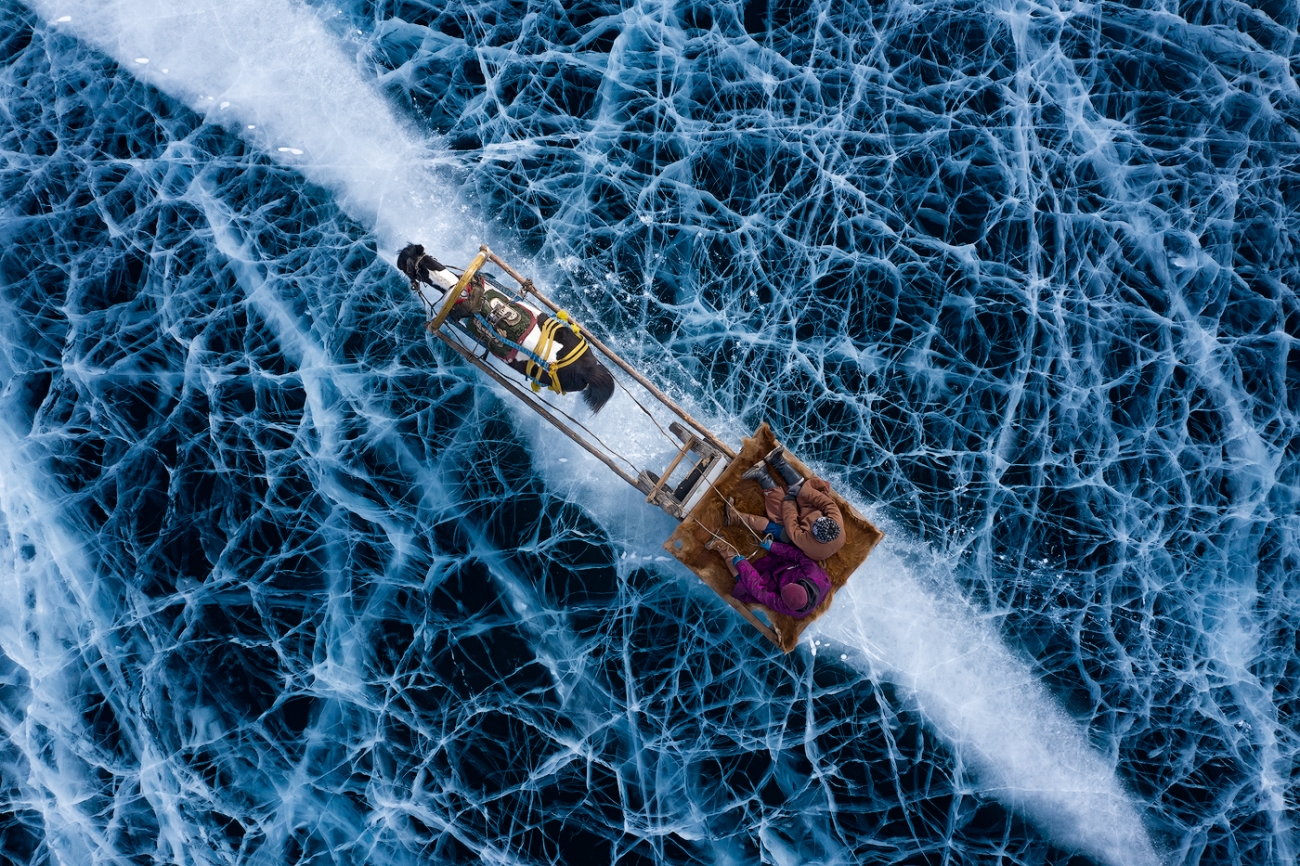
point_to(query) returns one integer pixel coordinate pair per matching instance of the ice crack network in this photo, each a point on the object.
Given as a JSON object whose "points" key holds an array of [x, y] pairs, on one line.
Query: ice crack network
{"points": [[285, 582]]}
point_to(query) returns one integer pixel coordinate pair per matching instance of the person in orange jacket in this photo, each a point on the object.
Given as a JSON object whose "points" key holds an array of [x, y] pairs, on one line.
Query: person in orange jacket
{"points": [[800, 512]]}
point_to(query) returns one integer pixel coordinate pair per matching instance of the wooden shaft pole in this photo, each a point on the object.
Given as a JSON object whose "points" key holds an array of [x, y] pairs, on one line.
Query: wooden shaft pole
{"points": [[608, 353], [538, 407]]}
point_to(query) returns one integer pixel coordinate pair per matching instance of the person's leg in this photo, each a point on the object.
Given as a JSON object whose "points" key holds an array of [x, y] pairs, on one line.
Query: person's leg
{"points": [[755, 522], [758, 472], [772, 500], [772, 504], [776, 460], [724, 549]]}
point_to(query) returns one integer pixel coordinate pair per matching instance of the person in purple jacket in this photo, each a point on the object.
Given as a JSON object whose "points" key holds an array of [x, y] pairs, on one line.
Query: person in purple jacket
{"points": [[785, 580]]}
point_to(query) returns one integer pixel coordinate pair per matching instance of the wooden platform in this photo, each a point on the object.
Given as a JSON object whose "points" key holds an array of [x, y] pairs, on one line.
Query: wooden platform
{"points": [[687, 543]]}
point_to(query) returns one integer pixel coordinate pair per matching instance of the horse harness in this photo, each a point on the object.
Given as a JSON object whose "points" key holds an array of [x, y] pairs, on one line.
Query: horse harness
{"points": [[501, 324], [533, 369]]}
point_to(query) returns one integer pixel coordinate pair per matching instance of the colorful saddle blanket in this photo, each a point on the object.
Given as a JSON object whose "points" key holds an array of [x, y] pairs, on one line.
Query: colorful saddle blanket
{"points": [[498, 322]]}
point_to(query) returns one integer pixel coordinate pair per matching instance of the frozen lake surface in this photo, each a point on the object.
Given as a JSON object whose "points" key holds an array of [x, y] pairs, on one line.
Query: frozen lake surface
{"points": [[282, 581]]}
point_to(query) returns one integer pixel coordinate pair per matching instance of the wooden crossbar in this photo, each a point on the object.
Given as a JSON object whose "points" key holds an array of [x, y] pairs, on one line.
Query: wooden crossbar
{"points": [[663, 479]]}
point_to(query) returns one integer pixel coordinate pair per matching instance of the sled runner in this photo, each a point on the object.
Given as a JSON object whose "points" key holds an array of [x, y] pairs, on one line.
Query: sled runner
{"points": [[486, 325]]}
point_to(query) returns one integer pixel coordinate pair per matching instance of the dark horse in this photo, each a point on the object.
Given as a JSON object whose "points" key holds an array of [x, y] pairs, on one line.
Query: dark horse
{"points": [[582, 373]]}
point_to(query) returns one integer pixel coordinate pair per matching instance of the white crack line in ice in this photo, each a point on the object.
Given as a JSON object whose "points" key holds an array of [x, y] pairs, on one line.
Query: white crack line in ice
{"points": [[302, 90]]}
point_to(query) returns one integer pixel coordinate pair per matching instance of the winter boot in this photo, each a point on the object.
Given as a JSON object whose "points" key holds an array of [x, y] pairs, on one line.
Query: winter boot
{"points": [[776, 459], [758, 472]]}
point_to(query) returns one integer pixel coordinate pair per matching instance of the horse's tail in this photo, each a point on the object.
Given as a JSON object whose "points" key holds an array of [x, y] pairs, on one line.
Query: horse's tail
{"points": [[600, 386]]}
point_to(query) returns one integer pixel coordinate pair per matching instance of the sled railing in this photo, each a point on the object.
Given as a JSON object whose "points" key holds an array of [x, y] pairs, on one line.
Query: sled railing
{"points": [[659, 395]]}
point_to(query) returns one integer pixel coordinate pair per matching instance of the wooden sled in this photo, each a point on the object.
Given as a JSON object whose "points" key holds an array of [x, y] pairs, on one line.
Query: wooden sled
{"points": [[693, 486], [707, 519]]}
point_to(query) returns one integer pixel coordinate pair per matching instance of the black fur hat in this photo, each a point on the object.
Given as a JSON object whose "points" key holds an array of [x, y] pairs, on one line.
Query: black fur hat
{"points": [[824, 529]]}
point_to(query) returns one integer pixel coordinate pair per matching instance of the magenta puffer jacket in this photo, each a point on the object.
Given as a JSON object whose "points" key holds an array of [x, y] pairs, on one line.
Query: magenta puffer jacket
{"points": [[761, 581]]}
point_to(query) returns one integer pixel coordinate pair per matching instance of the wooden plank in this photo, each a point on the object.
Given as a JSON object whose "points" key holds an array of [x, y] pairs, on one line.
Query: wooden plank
{"points": [[667, 473]]}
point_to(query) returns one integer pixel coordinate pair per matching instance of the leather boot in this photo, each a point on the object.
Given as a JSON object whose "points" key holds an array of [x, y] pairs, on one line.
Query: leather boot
{"points": [[776, 459], [758, 472]]}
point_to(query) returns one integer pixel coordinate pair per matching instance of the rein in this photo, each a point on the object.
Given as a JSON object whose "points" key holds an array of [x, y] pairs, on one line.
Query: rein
{"points": [[507, 341]]}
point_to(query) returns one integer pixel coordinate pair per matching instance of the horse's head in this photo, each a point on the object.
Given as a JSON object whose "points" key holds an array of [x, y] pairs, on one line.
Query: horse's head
{"points": [[408, 260]]}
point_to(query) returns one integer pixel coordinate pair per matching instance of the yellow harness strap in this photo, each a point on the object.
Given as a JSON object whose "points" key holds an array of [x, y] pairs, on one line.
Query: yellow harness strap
{"points": [[534, 370]]}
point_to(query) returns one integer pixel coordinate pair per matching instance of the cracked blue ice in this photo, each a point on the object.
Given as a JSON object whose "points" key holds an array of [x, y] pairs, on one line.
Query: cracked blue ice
{"points": [[284, 583]]}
